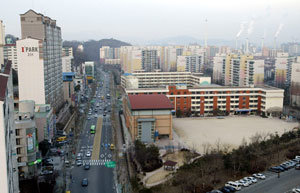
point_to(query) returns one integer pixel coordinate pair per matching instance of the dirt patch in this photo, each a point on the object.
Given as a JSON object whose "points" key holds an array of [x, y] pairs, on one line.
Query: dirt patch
{"points": [[161, 175]]}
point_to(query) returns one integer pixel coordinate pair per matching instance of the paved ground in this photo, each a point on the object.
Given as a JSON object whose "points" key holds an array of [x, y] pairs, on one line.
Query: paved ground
{"points": [[97, 140], [201, 133]]}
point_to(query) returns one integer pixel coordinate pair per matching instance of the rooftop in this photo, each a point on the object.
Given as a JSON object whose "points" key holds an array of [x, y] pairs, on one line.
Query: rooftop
{"points": [[149, 102]]}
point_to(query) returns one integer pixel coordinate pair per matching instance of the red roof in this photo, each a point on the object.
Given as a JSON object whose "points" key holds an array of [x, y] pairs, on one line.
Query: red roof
{"points": [[147, 102]]}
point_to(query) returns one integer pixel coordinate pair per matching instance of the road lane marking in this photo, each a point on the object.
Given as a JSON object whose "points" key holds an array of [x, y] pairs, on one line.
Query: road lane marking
{"points": [[97, 139]]}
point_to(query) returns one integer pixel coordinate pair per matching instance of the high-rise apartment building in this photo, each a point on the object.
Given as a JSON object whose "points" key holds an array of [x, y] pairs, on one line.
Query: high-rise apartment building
{"points": [[2, 43], [283, 69], [218, 61], [39, 60], [150, 60], [9, 182], [130, 58], [194, 63], [109, 55], [66, 62], [241, 70], [67, 51], [10, 53], [295, 83]]}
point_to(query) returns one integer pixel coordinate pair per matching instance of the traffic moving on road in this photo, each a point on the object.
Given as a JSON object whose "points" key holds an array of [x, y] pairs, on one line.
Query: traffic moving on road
{"points": [[94, 162]]}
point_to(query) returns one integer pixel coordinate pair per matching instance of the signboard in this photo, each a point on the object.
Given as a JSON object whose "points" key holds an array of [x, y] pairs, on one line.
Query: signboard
{"points": [[111, 164], [29, 142]]}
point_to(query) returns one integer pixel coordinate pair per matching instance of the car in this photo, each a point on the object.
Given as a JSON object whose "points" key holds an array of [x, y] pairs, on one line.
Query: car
{"points": [[88, 118], [87, 166], [224, 190], [252, 179], [244, 183], [88, 154], [248, 180], [84, 182], [259, 176], [79, 162], [296, 190], [297, 167], [234, 185], [230, 188], [216, 191], [276, 169]]}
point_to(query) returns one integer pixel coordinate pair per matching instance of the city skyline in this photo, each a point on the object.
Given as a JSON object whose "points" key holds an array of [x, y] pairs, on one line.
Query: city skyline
{"points": [[191, 19]]}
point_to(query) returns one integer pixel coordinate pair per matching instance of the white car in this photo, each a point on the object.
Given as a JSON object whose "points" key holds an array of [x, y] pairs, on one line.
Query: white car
{"points": [[248, 180], [88, 154], [259, 176], [244, 183], [296, 190], [234, 185]]}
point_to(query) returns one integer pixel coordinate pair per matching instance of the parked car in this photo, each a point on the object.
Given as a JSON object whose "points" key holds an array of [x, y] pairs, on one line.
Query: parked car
{"points": [[230, 188], [259, 176], [276, 169], [216, 191], [296, 190], [224, 190], [79, 162], [244, 183], [234, 185], [297, 167]]}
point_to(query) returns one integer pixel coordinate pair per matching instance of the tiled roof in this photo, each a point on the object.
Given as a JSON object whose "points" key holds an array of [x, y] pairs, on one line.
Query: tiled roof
{"points": [[148, 102]]}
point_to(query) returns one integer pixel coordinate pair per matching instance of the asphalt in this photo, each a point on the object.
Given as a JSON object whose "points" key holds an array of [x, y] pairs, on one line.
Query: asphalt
{"points": [[100, 178]]}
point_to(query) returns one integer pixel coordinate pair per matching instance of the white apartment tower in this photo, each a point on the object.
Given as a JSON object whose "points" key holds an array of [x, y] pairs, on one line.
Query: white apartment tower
{"points": [[40, 64], [9, 182], [10, 53], [2, 42]]}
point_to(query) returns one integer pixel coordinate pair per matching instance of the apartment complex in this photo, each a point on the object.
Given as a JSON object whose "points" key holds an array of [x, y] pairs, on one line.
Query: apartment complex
{"points": [[10, 53], [295, 83], [203, 100], [150, 60], [109, 55], [194, 63], [283, 69], [39, 54], [130, 58], [2, 42], [67, 51], [89, 71], [9, 182], [26, 140], [148, 121], [238, 70], [157, 79], [67, 62]]}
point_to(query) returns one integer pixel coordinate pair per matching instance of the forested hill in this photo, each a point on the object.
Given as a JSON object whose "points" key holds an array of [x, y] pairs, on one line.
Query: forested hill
{"points": [[91, 48]]}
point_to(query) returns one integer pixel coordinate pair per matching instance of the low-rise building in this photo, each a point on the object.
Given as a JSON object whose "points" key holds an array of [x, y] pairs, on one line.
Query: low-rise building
{"points": [[26, 140], [45, 122], [148, 117]]}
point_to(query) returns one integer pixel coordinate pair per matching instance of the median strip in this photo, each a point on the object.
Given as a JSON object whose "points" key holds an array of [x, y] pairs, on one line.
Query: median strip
{"points": [[97, 140]]}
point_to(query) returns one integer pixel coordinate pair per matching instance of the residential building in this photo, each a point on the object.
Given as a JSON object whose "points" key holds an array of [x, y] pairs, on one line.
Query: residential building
{"points": [[68, 85], [39, 53], [67, 62], [45, 122], [26, 140], [193, 63], [9, 182], [130, 58], [148, 121], [283, 68], [162, 79], [150, 60], [204, 100], [109, 55], [2, 42], [218, 62], [295, 83], [79, 80], [10, 53], [67, 51], [89, 71]]}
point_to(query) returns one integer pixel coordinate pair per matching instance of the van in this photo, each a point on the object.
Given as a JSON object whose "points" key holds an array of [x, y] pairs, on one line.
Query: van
{"points": [[234, 185], [112, 146]]}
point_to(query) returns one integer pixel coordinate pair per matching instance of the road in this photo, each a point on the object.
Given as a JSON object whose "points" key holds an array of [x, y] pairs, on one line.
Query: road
{"points": [[100, 178], [272, 184]]}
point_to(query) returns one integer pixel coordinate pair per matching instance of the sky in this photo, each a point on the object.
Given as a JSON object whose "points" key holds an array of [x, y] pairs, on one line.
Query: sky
{"points": [[140, 21]]}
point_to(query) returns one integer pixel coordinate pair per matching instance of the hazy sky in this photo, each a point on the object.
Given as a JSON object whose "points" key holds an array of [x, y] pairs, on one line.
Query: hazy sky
{"points": [[145, 20]]}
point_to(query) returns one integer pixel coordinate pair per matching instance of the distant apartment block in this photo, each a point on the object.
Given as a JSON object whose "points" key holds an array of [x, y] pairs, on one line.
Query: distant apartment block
{"points": [[89, 71], [39, 60], [109, 55], [193, 63], [67, 51], [10, 53], [2, 42], [9, 182], [150, 60], [130, 58], [67, 62], [295, 83], [283, 69]]}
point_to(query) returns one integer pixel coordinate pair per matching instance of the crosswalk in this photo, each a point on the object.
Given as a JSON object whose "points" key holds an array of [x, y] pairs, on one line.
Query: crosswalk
{"points": [[100, 162]]}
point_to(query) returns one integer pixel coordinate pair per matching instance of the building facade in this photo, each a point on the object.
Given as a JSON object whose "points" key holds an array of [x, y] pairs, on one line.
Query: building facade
{"points": [[148, 121], [26, 140], [45, 122], [203, 101], [67, 62], [89, 71], [68, 85], [9, 182], [41, 54], [67, 51], [10, 53], [283, 69], [2, 42], [150, 60]]}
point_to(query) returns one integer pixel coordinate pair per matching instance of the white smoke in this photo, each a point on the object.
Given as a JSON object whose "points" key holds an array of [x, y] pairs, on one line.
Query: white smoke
{"points": [[242, 27], [279, 30], [250, 27]]}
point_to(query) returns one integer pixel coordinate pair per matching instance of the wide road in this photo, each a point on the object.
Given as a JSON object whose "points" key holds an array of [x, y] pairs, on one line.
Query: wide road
{"points": [[272, 184], [100, 178]]}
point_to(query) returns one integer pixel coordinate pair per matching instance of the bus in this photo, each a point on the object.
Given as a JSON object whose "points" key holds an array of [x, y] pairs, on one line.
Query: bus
{"points": [[93, 129]]}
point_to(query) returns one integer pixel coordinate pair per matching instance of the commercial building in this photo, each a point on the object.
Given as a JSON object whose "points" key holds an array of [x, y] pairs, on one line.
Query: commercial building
{"points": [[9, 182], [45, 122], [68, 85], [148, 117], [2, 42], [10, 53], [26, 140], [39, 54], [204, 100], [161, 79]]}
